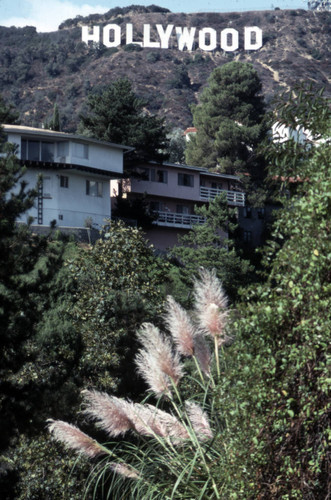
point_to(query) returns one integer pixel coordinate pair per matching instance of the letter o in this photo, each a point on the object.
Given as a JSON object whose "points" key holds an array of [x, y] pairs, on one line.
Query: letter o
{"points": [[212, 39], [117, 35], [224, 40]]}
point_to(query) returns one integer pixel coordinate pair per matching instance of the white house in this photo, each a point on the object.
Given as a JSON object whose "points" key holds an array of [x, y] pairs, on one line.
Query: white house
{"points": [[76, 173]]}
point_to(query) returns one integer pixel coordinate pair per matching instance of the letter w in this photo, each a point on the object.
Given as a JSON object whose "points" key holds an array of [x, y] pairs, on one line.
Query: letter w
{"points": [[185, 37]]}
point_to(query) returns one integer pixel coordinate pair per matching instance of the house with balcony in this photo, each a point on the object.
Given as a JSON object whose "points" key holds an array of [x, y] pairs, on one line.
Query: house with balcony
{"points": [[75, 175], [172, 191]]}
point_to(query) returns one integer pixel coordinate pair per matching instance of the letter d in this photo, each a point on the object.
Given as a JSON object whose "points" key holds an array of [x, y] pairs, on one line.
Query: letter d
{"points": [[248, 44]]}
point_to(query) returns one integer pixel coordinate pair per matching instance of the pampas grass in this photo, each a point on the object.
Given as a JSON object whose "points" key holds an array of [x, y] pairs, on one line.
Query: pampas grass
{"points": [[176, 447]]}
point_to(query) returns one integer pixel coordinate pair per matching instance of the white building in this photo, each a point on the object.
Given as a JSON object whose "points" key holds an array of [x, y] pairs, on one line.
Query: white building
{"points": [[76, 173]]}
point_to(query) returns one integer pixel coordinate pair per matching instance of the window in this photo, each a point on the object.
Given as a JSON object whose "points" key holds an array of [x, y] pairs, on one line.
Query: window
{"points": [[32, 150], [63, 149], [182, 209], [159, 176], [260, 213], [216, 185], [37, 150], [156, 206], [47, 151], [247, 212], [185, 180], [80, 150], [64, 181], [247, 236], [93, 188], [24, 149]]}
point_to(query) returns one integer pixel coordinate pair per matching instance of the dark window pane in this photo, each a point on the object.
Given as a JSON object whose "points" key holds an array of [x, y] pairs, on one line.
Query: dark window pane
{"points": [[64, 181], [34, 150], [47, 151], [185, 180], [24, 147]]}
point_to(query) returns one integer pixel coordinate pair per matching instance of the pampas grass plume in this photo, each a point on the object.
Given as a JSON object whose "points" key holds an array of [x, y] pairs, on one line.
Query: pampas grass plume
{"points": [[74, 438], [199, 421], [211, 303], [156, 362], [180, 327], [112, 414], [124, 470]]}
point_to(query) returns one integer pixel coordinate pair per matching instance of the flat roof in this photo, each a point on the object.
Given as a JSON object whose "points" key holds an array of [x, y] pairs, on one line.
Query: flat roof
{"points": [[202, 170], [54, 134]]}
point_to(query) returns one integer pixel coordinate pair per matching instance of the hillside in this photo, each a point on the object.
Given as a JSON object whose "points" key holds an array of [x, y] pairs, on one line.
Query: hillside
{"points": [[39, 69]]}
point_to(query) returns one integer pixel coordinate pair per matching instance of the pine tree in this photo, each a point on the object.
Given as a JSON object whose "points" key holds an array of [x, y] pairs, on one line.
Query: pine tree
{"points": [[7, 113], [117, 115], [28, 268], [229, 121], [55, 124]]}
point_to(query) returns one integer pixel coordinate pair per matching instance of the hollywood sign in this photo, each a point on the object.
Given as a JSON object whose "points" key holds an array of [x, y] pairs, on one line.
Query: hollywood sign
{"points": [[187, 38]]}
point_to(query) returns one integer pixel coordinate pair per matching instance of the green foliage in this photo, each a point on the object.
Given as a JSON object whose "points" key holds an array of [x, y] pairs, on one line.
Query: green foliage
{"points": [[177, 145], [132, 47], [208, 245], [279, 368], [133, 211], [79, 316], [7, 113], [39, 347], [230, 123], [153, 57], [116, 115], [44, 472], [180, 79], [120, 283], [55, 124]]}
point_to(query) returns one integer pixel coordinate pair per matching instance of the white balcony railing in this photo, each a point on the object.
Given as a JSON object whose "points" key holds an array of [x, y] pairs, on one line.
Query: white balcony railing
{"points": [[172, 219], [234, 197]]}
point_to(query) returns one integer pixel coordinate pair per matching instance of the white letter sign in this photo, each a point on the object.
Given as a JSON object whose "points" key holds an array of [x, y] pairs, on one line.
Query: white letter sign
{"points": [[185, 37], [91, 37], [249, 45], [117, 35], [164, 35], [203, 45], [224, 40]]}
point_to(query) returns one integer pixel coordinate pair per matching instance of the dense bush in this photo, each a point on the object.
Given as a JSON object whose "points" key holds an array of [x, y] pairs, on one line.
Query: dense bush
{"points": [[278, 392]]}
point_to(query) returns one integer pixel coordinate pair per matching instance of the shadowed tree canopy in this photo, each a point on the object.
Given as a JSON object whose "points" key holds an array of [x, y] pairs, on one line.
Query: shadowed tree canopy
{"points": [[7, 113], [55, 122], [229, 121], [209, 246], [117, 115]]}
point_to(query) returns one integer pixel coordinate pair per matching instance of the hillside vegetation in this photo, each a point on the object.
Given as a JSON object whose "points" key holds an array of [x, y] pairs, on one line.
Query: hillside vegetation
{"points": [[40, 69]]}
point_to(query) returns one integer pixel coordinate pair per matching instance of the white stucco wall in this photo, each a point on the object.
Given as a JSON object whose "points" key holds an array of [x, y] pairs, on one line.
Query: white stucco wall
{"points": [[99, 156], [69, 206], [72, 203]]}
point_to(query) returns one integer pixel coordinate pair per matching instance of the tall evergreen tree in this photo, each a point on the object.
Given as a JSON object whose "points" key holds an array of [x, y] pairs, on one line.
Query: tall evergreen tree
{"points": [[229, 121], [7, 113], [55, 123], [117, 115], [28, 288]]}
